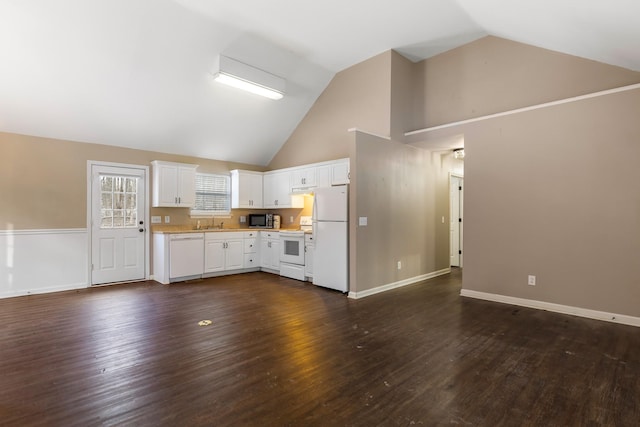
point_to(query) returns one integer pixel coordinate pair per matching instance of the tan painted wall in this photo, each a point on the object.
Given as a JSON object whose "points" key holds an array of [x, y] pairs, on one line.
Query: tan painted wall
{"points": [[403, 112], [553, 193], [43, 182], [396, 192], [492, 75], [541, 188], [358, 97]]}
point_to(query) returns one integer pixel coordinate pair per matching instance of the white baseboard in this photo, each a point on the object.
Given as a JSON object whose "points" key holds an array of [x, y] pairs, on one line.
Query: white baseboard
{"points": [[399, 284], [556, 308]]}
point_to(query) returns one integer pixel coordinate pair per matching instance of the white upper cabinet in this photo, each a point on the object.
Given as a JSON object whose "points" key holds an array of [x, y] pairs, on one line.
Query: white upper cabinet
{"points": [[174, 184], [246, 189], [303, 178], [277, 191], [323, 176], [340, 172], [332, 173]]}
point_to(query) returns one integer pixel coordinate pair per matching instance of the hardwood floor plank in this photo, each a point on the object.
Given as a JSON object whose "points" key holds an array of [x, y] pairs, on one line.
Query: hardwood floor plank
{"points": [[284, 353]]}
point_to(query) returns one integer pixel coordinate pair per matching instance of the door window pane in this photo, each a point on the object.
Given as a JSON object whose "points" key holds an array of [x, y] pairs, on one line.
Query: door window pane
{"points": [[119, 200]]}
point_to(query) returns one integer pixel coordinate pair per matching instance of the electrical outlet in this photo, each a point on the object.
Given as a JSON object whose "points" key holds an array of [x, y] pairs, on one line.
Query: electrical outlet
{"points": [[290, 220], [399, 265], [532, 280], [167, 219], [243, 219]]}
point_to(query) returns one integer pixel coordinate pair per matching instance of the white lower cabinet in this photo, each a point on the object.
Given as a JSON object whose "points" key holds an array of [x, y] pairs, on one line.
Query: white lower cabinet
{"points": [[251, 249], [270, 250], [177, 257], [309, 247], [223, 251]]}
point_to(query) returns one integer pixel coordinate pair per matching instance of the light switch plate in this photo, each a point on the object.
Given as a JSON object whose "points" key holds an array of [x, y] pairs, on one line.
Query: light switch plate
{"points": [[156, 219], [362, 221], [167, 219]]}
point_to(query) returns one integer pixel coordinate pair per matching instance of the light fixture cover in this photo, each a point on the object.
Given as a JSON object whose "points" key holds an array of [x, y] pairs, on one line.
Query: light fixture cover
{"points": [[246, 77]]}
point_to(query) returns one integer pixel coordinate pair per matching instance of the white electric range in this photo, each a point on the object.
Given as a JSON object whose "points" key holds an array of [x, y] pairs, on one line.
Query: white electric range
{"points": [[292, 250]]}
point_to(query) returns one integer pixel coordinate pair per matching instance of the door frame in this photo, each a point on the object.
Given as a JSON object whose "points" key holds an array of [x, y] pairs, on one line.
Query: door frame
{"points": [[147, 199], [453, 175]]}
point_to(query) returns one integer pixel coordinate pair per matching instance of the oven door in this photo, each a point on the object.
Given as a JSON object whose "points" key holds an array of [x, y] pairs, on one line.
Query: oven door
{"points": [[292, 248]]}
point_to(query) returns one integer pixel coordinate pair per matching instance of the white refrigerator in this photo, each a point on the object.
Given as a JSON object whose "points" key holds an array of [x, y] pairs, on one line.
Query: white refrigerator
{"points": [[330, 235]]}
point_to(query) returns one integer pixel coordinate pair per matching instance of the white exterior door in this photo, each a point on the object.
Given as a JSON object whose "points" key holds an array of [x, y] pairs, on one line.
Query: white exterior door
{"points": [[118, 229], [456, 199]]}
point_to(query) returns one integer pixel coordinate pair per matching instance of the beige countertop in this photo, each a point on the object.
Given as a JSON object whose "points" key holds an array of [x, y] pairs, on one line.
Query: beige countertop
{"points": [[175, 229]]}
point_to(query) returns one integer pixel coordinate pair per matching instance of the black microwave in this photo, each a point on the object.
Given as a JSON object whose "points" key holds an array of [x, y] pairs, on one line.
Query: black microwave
{"points": [[261, 220]]}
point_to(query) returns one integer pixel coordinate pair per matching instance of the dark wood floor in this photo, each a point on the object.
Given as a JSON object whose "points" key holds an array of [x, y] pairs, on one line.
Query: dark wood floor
{"points": [[283, 353]]}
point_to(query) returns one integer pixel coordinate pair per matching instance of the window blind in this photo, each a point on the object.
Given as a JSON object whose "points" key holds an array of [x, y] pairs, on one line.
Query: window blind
{"points": [[213, 194]]}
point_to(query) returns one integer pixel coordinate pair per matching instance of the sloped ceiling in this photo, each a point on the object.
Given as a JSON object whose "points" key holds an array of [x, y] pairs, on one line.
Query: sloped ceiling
{"points": [[137, 73]]}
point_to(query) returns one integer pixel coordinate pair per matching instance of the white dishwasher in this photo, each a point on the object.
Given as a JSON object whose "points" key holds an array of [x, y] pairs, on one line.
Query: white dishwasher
{"points": [[186, 254]]}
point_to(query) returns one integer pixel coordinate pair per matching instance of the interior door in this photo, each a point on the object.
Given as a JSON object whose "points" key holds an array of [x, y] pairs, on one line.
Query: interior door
{"points": [[118, 229], [456, 200]]}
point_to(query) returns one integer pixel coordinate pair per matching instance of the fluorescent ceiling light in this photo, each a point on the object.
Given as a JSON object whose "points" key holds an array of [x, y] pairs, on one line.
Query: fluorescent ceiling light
{"points": [[242, 76]]}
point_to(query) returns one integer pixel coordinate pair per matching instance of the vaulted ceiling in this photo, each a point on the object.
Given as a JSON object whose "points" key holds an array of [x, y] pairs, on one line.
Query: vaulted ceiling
{"points": [[136, 73]]}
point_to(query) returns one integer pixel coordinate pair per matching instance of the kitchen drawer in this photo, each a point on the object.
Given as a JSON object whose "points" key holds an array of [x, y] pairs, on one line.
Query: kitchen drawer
{"points": [[250, 234], [251, 260], [250, 246]]}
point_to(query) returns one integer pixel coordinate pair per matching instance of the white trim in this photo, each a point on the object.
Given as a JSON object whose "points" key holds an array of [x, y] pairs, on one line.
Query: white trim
{"points": [[556, 308], [147, 211], [63, 288], [369, 133], [524, 109], [399, 284], [42, 231]]}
